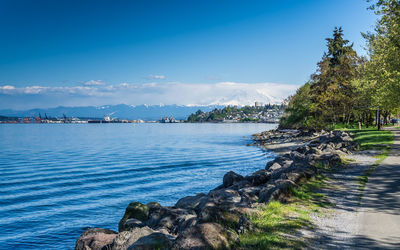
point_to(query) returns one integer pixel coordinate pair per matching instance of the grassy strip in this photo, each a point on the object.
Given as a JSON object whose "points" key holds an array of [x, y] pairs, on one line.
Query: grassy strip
{"points": [[277, 222], [373, 140]]}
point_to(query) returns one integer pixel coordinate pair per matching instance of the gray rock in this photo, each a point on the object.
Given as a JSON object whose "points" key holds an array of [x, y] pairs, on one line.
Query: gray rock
{"points": [[132, 223], [231, 178], [226, 198], [126, 238], [347, 138], [274, 167], [153, 206], [171, 218], [95, 239], [135, 210], [191, 202], [280, 189], [329, 159], [152, 241], [251, 193], [241, 184], [266, 193], [294, 176], [206, 236], [259, 177], [210, 213], [284, 169]]}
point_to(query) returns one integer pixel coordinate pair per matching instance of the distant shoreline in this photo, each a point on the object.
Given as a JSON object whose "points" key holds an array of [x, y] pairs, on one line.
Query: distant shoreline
{"points": [[103, 122]]}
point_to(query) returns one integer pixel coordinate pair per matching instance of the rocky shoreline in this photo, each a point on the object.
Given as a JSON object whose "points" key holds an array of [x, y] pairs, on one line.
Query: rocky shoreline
{"points": [[216, 219]]}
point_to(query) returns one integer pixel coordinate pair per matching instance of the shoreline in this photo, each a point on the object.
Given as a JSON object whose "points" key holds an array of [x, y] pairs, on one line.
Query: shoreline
{"points": [[215, 219]]}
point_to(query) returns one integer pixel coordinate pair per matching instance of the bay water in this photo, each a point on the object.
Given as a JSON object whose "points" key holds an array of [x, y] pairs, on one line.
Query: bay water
{"points": [[58, 179]]}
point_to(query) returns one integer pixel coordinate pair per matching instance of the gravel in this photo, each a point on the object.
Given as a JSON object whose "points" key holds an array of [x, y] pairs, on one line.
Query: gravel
{"points": [[335, 227]]}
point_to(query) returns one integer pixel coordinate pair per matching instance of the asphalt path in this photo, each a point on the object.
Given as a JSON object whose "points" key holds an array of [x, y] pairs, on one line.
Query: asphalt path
{"points": [[379, 214]]}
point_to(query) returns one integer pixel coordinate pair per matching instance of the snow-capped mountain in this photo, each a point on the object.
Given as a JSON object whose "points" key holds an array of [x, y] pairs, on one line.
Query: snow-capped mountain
{"points": [[245, 98], [191, 98]]}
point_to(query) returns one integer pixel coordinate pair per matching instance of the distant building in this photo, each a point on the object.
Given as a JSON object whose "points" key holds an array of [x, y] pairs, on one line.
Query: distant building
{"points": [[257, 104]]}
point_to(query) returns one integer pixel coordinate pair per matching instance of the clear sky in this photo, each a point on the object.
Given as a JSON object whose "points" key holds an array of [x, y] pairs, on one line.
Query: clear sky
{"points": [[76, 44]]}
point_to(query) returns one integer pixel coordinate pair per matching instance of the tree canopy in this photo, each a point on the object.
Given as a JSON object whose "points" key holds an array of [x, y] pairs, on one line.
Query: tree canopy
{"points": [[347, 88]]}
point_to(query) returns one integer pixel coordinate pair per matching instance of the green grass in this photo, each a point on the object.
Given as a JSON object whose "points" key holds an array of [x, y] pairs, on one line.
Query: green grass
{"points": [[277, 222], [371, 138], [346, 161], [351, 126], [374, 139]]}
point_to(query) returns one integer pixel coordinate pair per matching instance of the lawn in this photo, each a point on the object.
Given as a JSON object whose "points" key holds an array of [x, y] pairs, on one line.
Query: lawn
{"points": [[276, 223], [371, 138], [374, 139]]}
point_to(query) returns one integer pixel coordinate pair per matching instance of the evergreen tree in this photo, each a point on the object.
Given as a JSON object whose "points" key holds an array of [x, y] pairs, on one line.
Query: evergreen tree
{"points": [[332, 91]]}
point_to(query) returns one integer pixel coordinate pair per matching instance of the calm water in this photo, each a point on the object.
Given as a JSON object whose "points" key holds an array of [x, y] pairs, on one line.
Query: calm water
{"points": [[57, 179]]}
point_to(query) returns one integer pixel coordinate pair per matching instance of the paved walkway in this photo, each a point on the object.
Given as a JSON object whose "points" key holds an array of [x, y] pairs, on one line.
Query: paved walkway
{"points": [[379, 214]]}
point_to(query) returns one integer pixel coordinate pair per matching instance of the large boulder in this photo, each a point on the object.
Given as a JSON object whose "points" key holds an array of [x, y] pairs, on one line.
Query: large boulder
{"points": [[206, 236], [131, 223], [280, 160], [231, 178], [191, 202], [329, 159], [153, 206], [221, 206], [127, 238], [298, 157], [152, 241], [241, 184], [251, 191], [95, 239], [280, 189], [225, 198], [259, 177], [172, 219], [135, 210], [265, 194], [209, 212], [287, 166]]}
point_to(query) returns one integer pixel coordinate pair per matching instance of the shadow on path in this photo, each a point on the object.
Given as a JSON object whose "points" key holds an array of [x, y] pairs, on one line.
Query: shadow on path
{"points": [[379, 216]]}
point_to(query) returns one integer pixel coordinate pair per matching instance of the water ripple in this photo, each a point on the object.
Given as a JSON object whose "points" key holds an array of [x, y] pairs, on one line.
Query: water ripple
{"points": [[58, 179]]}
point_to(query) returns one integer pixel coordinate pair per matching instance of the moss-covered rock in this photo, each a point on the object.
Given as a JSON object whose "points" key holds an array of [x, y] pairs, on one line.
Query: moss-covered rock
{"points": [[135, 210]]}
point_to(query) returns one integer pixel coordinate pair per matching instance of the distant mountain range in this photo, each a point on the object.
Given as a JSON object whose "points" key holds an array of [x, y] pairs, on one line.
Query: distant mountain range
{"points": [[122, 111]]}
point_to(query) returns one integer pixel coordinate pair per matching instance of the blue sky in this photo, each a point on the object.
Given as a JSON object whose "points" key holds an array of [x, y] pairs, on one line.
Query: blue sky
{"points": [[68, 44]]}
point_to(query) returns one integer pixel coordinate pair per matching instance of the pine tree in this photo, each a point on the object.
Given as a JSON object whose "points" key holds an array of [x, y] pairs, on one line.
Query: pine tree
{"points": [[332, 89]]}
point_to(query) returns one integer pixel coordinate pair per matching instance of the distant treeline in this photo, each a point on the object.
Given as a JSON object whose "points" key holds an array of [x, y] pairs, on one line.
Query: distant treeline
{"points": [[8, 118], [347, 88], [239, 114]]}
